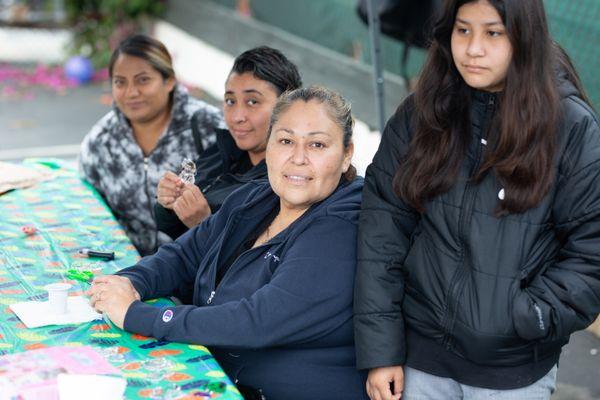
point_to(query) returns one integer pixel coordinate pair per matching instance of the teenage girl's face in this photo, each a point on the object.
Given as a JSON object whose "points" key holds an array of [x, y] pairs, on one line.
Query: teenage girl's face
{"points": [[247, 109], [481, 48], [139, 90]]}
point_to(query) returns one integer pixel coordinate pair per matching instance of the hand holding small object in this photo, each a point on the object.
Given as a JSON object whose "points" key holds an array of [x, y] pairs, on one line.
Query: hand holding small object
{"points": [[169, 189], [191, 207]]}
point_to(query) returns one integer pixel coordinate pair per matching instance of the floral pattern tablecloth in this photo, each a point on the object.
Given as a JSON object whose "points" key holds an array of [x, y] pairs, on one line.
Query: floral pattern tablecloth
{"points": [[68, 215]]}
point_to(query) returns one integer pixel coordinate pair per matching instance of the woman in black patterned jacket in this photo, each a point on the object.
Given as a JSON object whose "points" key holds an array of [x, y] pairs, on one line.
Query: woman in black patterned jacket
{"points": [[147, 132]]}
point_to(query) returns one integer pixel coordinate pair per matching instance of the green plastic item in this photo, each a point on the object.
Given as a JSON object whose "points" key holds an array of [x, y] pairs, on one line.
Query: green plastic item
{"points": [[82, 276]]}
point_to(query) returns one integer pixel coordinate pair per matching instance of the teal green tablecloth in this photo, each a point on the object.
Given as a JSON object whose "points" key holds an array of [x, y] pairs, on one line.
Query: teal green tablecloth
{"points": [[68, 216]]}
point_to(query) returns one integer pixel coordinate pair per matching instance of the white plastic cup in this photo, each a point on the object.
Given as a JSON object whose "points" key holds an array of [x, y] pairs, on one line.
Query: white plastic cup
{"points": [[57, 297]]}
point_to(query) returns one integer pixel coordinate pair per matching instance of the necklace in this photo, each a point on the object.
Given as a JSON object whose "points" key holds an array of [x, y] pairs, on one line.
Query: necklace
{"points": [[268, 231], [277, 225], [262, 239]]}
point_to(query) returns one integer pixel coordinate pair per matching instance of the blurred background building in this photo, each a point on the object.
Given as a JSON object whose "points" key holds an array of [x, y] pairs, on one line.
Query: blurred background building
{"points": [[325, 37]]}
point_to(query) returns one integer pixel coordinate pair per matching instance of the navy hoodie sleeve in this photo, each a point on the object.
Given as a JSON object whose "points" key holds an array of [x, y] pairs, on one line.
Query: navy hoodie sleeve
{"points": [[172, 270], [386, 224], [565, 296], [309, 296]]}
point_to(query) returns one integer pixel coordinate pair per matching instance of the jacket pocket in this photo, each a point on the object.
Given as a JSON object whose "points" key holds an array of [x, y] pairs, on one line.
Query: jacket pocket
{"points": [[531, 316], [539, 255]]}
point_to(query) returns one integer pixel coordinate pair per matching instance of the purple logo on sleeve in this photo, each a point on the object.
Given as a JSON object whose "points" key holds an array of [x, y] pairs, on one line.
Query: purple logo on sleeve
{"points": [[167, 316]]}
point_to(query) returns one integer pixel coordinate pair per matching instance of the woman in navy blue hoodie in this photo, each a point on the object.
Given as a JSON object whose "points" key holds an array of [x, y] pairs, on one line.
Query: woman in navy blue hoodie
{"points": [[270, 276]]}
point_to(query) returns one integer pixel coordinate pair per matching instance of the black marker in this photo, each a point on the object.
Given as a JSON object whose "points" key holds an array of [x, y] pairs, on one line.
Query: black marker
{"points": [[107, 255]]}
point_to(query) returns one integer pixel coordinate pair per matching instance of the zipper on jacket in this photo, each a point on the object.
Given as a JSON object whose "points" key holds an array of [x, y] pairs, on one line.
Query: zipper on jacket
{"points": [[210, 185], [461, 274], [231, 268], [213, 284], [149, 204], [236, 178], [213, 278], [211, 297]]}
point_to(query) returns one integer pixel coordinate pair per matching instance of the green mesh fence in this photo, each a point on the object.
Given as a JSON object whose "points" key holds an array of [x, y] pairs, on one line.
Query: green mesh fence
{"points": [[575, 24]]}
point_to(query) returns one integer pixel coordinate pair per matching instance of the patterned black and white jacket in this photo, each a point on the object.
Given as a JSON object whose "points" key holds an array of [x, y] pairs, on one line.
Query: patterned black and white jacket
{"points": [[114, 164]]}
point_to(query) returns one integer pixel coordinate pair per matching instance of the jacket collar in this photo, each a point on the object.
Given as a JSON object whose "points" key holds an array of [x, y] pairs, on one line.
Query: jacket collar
{"points": [[481, 97], [231, 154], [229, 151], [344, 203]]}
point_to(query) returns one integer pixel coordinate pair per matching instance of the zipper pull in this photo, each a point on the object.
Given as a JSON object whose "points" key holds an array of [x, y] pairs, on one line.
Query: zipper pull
{"points": [[210, 299]]}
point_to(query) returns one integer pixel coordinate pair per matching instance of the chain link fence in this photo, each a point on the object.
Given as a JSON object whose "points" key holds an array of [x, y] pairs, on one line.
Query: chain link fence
{"points": [[575, 25]]}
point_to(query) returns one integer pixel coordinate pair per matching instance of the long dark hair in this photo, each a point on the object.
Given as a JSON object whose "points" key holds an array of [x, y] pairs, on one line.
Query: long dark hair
{"points": [[521, 154]]}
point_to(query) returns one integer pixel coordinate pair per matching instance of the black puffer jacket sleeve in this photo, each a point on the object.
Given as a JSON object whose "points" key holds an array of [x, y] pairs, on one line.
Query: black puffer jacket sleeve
{"points": [[168, 222], [564, 296], [386, 224]]}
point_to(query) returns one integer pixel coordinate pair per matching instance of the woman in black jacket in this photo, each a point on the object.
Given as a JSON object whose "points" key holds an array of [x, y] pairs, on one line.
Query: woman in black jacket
{"points": [[256, 80], [480, 224]]}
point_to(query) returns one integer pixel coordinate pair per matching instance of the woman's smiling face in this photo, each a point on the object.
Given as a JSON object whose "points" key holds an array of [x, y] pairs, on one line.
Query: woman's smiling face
{"points": [[247, 109], [305, 155], [139, 90]]}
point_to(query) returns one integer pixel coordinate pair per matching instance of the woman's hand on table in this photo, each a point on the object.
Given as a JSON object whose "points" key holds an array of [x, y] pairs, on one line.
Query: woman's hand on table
{"points": [[191, 207], [169, 189], [112, 295]]}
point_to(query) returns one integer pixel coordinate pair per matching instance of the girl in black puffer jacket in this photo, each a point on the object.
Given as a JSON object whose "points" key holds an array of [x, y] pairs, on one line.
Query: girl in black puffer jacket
{"points": [[480, 225]]}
